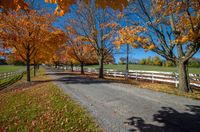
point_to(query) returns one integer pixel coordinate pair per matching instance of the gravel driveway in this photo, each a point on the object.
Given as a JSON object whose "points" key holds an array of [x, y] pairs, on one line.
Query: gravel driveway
{"points": [[122, 107]]}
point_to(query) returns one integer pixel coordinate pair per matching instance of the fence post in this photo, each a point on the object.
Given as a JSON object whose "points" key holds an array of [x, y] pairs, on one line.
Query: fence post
{"points": [[152, 78], [7, 76], [176, 80], [136, 75], [4, 75], [10, 74]]}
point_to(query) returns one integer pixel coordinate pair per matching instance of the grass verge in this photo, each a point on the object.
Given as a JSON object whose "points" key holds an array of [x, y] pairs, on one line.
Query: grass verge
{"points": [[166, 88], [160, 87], [41, 107]]}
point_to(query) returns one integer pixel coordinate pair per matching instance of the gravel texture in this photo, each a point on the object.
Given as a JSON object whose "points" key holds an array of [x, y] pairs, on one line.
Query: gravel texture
{"points": [[121, 107]]}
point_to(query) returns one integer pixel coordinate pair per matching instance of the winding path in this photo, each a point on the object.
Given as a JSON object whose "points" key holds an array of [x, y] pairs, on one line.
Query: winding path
{"points": [[122, 107]]}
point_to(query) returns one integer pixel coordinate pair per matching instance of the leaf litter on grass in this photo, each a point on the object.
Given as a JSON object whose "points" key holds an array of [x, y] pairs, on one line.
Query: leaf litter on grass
{"points": [[42, 107]]}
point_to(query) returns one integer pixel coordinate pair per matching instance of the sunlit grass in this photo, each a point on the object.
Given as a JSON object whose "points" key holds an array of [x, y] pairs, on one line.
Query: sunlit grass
{"points": [[166, 88], [42, 107], [10, 68]]}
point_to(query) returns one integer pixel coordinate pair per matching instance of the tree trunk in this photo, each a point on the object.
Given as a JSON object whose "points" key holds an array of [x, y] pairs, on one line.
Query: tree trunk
{"points": [[127, 61], [82, 69], [66, 67], [35, 68], [184, 82], [72, 67], [28, 71], [38, 66], [101, 59]]}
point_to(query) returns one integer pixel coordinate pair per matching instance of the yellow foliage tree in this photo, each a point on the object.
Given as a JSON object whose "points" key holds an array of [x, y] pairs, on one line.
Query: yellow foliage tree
{"points": [[169, 26], [28, 34]]}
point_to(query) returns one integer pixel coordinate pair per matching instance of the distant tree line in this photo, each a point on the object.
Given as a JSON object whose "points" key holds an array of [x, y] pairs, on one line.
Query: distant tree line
{"points": [[10, 59], [157, 61], [194, 62], [122, 60], [3, 62]]}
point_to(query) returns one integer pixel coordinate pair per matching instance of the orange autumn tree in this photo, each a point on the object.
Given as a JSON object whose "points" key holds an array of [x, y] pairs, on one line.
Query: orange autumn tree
{"points": [[28, 34], [59, 56], [184, 20], [68, 59], [7, 5], [53, 42], [63, 5], [80, 50], [83, 54], [130, 35], [95, 27], [169, 26]]}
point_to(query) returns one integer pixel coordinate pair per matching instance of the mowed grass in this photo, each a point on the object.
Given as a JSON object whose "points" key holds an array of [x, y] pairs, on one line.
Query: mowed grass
{"points": [[10, 68], [145, 68], [42, 107]]}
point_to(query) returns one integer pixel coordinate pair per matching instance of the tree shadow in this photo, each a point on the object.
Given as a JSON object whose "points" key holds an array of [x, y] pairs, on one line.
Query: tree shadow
{"points": [[172, 120], [82, 80], [73, 78], [62, 73]]}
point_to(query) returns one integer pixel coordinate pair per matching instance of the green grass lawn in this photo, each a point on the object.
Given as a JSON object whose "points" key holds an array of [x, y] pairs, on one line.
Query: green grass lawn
{"points": [[42, 107], [146, 68], [9, 68]]}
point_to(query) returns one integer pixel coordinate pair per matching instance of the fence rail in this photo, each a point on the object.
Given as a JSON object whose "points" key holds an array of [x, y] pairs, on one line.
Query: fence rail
{"points": [[158, 76], [9, 78], [8, 75]]}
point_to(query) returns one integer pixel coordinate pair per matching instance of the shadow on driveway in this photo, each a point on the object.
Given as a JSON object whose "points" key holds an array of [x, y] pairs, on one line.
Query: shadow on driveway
{"points": [[73, 78], [173, 121]]}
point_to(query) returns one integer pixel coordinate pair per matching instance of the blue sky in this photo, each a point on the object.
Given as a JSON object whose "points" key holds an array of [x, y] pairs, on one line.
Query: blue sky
{"points": [[134, 53]]}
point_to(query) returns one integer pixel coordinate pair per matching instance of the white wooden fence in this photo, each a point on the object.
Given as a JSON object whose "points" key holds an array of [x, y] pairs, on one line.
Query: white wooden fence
{"points": [[167, 77], [8, 75]]}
